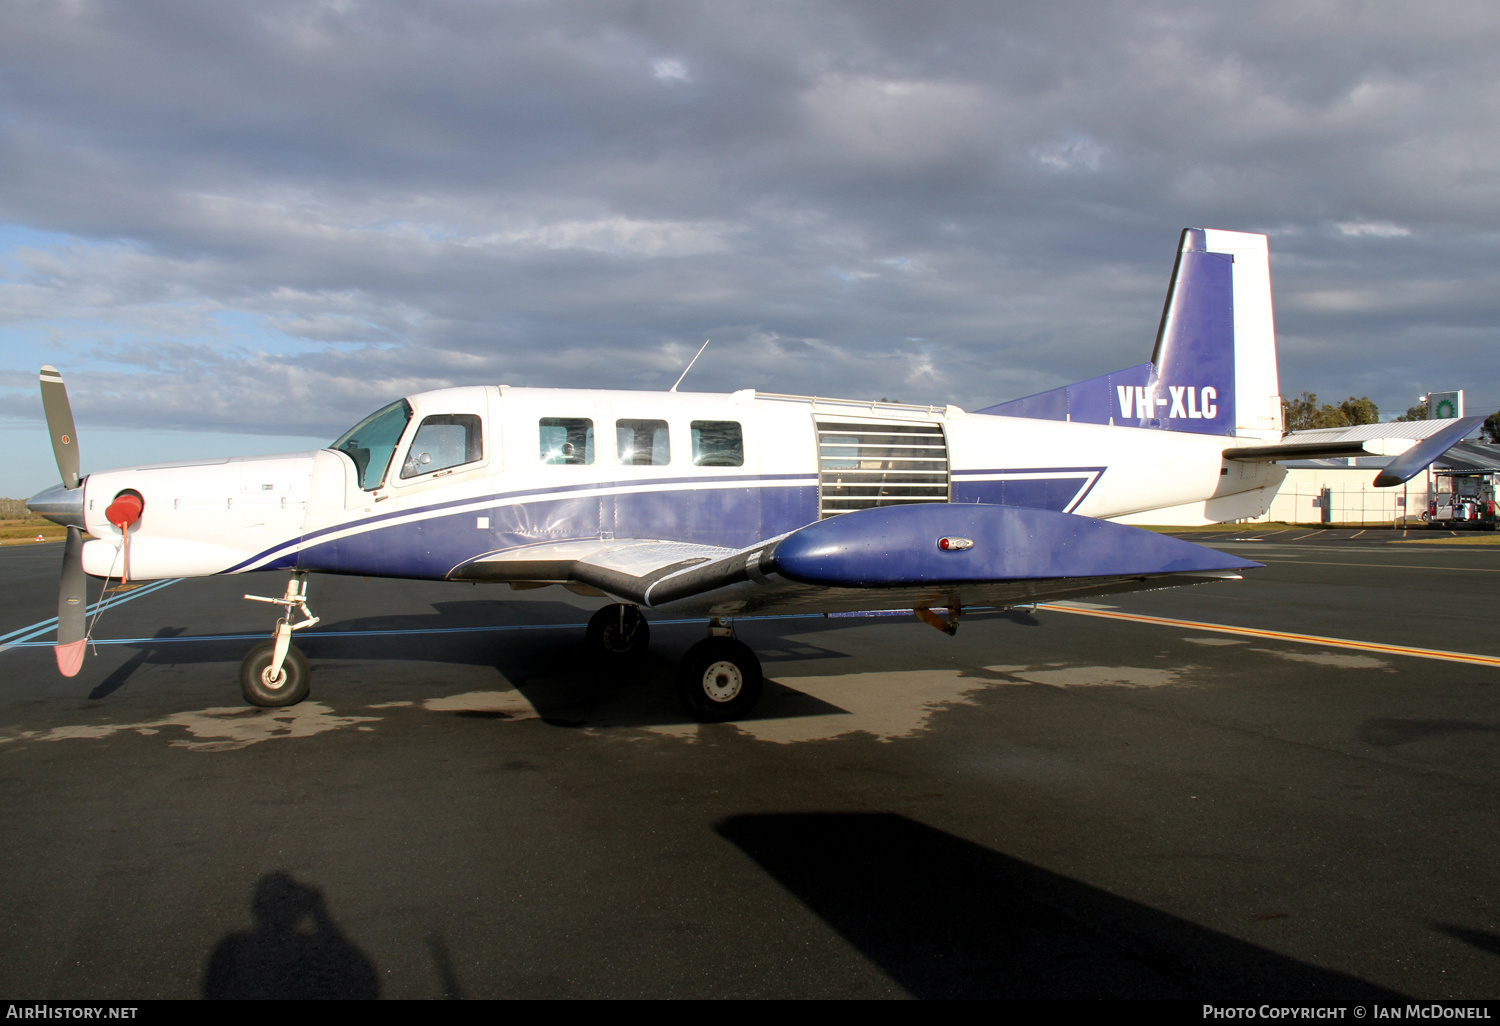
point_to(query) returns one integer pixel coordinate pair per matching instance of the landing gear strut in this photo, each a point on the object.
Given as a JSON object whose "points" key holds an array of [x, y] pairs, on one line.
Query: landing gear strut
{"points": [[720, 677], [275, 673]]}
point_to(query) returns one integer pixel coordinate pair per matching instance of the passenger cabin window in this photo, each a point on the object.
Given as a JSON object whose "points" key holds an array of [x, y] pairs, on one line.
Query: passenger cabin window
{"points": [[567, 440], [718, 443], [372, 442], [443, 441], [643, 443]]}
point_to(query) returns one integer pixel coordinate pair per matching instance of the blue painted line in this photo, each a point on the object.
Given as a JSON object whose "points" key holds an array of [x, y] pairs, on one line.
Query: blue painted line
{"points": [[334, 635], [45, 624], [580, 625], [25, 634]]}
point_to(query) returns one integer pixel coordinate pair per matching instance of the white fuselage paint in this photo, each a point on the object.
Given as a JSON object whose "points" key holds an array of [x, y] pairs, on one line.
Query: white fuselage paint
{"points": [[238, 515]]}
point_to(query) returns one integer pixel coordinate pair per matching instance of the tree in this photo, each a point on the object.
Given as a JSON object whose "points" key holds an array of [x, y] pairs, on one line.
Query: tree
{"points": [[1304, 413], [1298, 414], [1359, 411], [1492, 427], [1417, 412]]}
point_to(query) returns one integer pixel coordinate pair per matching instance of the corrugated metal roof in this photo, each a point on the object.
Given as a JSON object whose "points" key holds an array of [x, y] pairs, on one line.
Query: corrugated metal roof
{"points": [[1365, 432], [1463, 456], [1471, 456]]}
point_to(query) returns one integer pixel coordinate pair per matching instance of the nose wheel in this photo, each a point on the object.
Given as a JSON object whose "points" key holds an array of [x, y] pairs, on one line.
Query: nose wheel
{"points": [[287, 685]]}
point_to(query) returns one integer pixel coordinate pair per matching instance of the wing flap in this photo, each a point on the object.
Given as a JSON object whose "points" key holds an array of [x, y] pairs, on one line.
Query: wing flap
{"points": [[620, 567], [784, 596]]}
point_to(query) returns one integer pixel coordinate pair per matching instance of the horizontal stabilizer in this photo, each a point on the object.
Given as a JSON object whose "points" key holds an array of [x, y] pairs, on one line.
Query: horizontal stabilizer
{"points": [[1420, 456], [898, 546], [1415, 444], [1296, 451]]}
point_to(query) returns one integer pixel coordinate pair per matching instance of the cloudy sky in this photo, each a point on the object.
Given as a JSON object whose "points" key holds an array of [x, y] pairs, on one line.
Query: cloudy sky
{"points": [[239, 227]]}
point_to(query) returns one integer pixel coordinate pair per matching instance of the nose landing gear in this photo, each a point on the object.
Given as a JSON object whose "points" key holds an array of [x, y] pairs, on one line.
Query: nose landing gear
{"points": [[275, 673]]}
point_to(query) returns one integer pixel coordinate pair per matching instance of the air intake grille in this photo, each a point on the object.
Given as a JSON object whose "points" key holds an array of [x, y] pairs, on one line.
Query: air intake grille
{"points": [[879, 464]]}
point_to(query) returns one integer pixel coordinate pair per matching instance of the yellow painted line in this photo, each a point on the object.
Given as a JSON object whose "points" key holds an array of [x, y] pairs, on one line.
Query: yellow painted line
{"points": [[1389, 566], [1300, 639]]}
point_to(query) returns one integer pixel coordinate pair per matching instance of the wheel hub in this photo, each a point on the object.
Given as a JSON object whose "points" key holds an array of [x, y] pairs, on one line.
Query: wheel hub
{"points": [[276, 682], [619, 639], [722, 681]]}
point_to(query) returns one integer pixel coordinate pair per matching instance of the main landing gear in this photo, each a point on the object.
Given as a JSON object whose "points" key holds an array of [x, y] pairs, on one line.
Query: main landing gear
{"points": [[719, 678], [275, 673], [619, 635]]}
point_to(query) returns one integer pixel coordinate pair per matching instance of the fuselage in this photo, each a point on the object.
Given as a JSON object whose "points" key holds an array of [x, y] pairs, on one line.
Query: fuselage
{"points": [[445, 478]]}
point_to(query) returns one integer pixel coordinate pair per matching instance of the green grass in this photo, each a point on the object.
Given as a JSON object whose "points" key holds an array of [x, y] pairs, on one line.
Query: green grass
{"points": [[1438, 538], [25, 530]]}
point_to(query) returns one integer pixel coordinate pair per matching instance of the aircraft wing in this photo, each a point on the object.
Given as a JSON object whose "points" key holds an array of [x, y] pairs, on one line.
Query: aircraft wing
{"points": [[923, 555]]}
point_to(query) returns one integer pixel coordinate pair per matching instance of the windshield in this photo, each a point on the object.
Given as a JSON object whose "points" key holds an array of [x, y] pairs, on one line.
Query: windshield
{"points": [[371, 442]]}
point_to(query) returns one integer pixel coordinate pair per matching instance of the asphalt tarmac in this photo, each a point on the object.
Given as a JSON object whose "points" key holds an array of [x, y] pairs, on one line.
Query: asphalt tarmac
{"points": [[1049, 804]]}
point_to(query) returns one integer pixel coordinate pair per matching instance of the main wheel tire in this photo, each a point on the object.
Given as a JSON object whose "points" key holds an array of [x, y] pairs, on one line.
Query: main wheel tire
{"points": [[291, 685], [618, 634], [719, 680]]}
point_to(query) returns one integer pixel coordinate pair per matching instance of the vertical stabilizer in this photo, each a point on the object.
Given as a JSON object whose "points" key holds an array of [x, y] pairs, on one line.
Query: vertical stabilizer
{"points": [[1213, 369]]}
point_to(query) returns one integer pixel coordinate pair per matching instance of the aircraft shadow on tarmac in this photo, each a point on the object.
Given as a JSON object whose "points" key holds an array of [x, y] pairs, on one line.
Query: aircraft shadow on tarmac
{"points": [[946, 918], [549, 666], [295, 950], [1484, 940], [121, 674]]}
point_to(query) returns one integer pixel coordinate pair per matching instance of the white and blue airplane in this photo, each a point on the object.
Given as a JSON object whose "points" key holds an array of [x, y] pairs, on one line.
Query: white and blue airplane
{"points": [[720, 506]]}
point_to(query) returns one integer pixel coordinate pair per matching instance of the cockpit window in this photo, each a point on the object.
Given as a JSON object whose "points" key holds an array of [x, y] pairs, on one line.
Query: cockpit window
{"points": [[372, 442], [443, 441]]}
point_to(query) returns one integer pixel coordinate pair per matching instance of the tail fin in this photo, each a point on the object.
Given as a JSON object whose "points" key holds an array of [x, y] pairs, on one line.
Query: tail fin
{"points": [[1213, 370]]}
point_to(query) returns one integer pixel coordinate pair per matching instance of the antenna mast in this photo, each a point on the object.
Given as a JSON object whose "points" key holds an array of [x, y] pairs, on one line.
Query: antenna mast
{"points": [[690, 365]]}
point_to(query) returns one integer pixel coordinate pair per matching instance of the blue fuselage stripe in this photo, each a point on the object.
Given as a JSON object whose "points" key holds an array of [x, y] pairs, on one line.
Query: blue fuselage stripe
{"points": [[729, 512]]}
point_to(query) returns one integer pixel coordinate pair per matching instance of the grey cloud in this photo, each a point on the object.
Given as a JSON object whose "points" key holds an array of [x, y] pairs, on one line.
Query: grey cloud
{"points": [[577, 194]]}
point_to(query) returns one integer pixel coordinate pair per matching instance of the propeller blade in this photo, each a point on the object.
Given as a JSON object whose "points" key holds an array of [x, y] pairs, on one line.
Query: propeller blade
{"points": [[60, 425], [72, 606]]}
